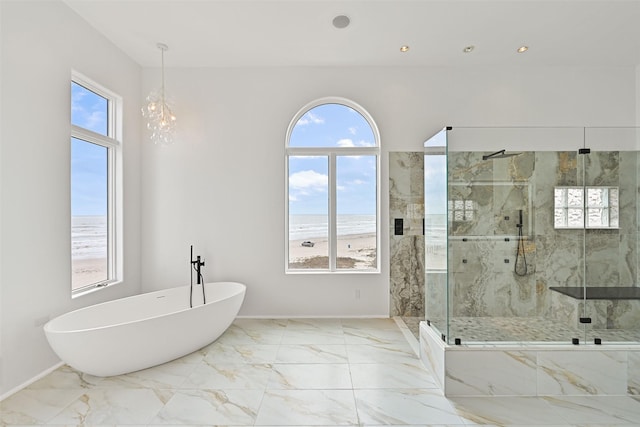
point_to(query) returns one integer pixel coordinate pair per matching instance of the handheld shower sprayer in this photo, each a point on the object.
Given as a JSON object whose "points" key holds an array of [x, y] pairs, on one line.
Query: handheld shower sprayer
{"points": [[520, 252], [520, 222]]}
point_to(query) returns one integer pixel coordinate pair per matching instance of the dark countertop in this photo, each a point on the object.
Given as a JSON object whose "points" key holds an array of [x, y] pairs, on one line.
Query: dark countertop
{"points": [[599, 292]]}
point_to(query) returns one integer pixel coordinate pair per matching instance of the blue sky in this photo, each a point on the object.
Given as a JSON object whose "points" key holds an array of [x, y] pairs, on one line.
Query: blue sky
{"points": [[332, 125], [88, 161]]}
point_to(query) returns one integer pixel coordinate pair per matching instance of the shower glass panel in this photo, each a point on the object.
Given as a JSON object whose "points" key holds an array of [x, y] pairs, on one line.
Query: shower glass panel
{"points": [[611, 304], [435, 230], [541, 235]]}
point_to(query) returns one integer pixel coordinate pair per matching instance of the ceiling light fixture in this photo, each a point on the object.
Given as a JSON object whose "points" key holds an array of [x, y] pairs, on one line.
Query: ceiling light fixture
{"points": [[341, 21], [523, 49], [160, 120], [404, 48], [468, 49]]}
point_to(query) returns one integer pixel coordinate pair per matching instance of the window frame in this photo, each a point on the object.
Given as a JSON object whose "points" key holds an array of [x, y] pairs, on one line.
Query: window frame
{"points": [[112, 142], [332, 153]]}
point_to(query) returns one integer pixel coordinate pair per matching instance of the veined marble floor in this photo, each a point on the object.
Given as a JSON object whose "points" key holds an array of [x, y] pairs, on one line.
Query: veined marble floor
{"points": [[297, 372]]}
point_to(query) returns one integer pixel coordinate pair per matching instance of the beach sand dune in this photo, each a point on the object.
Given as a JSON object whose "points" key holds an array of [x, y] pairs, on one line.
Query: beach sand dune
{"points": [[354, 251], [88, 271]]}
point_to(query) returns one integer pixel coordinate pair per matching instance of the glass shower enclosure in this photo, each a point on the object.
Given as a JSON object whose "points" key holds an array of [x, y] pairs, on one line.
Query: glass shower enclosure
{"points": [[531, 235]]}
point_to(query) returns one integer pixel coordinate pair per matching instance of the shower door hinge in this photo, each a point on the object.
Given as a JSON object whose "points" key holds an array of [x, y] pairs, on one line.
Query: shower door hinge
{"points": [[584, 151], [585, 320]]}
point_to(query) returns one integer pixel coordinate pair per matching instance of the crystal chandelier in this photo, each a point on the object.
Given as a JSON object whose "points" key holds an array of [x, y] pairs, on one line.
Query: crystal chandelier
{"points": [[160, 120]]}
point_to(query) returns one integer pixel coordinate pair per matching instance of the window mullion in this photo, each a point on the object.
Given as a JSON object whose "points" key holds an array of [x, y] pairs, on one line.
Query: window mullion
{"points": [[333, 226]]}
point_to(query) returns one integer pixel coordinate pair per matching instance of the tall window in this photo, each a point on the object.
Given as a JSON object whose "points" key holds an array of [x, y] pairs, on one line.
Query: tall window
{"points": [[94, 152], [332, 184]]}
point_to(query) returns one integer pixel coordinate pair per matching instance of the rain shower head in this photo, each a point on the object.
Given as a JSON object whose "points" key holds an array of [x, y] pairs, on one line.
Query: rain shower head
{"points": [[499, 155]]}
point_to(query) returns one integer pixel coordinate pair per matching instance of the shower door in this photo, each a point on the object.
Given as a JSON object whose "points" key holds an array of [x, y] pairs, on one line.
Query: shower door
{"points": [[610, 309]]}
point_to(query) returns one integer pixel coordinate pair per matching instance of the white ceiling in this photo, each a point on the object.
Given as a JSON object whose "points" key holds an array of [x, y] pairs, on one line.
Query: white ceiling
{"points": [[240, 33]]}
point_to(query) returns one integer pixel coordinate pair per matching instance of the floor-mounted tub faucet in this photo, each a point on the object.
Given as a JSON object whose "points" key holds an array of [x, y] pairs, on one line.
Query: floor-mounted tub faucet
{"points": [[196, 265]]}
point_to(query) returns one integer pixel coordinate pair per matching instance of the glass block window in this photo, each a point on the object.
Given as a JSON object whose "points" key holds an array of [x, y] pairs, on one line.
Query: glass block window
{"points": [[462, 210], [598, 209]]}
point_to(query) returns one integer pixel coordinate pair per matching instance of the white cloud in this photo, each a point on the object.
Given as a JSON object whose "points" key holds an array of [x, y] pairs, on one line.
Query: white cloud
{"points": [[363, 143], [308, 180], [352, 130], [310, 118], [358, 182], [345, 142]]}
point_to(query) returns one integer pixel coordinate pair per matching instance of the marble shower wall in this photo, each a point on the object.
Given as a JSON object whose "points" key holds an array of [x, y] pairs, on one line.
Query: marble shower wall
{"points": [[485, 200], [406, 202]]}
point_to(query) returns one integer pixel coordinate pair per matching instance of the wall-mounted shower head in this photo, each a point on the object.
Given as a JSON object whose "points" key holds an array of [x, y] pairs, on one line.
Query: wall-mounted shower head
{"points": [[499, 155]]}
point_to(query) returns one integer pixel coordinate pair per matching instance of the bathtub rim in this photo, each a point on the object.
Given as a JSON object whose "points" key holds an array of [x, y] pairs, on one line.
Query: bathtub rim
{"points": [[48, 327]]}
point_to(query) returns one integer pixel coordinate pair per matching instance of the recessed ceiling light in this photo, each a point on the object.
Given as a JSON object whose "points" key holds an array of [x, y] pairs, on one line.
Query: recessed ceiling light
{"points": [[341, 21], [468, 49], [523, 49], [404, 48]]}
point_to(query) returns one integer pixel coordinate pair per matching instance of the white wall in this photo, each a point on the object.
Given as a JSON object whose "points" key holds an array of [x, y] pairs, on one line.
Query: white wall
{"points": [[221, 186], [41, 42]]}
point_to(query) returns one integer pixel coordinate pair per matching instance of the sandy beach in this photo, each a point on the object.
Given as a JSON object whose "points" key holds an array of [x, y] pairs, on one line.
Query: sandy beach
{"points": [[88, 271], [354, 251]]}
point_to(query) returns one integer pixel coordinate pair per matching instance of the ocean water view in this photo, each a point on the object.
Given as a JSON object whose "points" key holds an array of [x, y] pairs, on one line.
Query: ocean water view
{"points": [[315, 226], [88, 237]]}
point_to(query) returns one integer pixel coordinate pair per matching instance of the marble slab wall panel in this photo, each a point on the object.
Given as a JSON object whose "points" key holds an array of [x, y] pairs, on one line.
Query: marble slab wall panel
{"points": [[486, 197], [495, 190], [406, 201], [490, 373], [580, 372], [531, 370], [432, 353], [633, 373]]}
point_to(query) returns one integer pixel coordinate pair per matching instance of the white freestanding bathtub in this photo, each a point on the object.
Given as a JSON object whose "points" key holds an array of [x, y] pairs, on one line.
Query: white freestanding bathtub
{"points": [[141, 331]]}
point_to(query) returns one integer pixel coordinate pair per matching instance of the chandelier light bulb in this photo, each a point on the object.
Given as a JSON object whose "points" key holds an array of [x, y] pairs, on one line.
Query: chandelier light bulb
{"points": [[160, 120]]}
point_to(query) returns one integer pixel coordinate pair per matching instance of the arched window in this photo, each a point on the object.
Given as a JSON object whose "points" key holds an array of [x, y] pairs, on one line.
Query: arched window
{"points": [[332, 160]]}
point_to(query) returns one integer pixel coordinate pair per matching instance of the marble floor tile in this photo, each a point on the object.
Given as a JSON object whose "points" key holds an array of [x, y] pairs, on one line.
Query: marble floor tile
{"points": [[318, 336], [390, 353], [391, 375], [327, 325], [375, 323], [310, 376], [66, 377], [290, 372], [238, 335], [372, 336], [311, 353], [597, 409], [113, 406], [166, 376], [211, 407], [261, 324], [228, 376], [507, 411], [36, 406], [307, 407], [404, 406], [241, 353]]}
